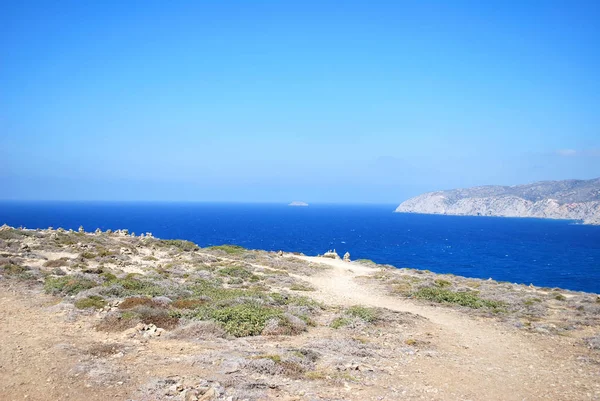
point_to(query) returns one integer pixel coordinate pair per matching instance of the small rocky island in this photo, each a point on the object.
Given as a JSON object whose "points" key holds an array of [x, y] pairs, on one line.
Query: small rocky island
{"points": [[298, 203], [568, 199]]}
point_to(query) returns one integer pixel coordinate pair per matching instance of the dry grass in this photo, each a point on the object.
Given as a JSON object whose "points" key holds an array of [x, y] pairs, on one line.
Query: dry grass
{"points": [[133, 302], [103, 350], [57, 262], [198, 330]]}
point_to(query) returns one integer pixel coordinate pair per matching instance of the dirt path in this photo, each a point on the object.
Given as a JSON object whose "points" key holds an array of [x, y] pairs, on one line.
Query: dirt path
{"points": [[481, 358], [37, 351], [42, 352]]}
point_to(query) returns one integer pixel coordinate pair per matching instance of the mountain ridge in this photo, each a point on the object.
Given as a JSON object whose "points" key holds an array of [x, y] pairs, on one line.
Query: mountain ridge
{"points": [[565, 199]]}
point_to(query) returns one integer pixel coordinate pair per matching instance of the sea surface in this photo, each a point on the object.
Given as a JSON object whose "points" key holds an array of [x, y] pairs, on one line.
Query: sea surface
{"points": [[548, 253]]}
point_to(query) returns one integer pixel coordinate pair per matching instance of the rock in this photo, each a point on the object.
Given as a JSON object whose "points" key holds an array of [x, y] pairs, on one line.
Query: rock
{"points": [[331, 254], [190, 395], [81, 230], [298, 203], [209, 395], [98, 231], [347, 257]]}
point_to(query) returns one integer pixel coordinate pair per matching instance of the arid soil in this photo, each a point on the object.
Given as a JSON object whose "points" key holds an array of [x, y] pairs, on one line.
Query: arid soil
{"points": [[98, 316]]}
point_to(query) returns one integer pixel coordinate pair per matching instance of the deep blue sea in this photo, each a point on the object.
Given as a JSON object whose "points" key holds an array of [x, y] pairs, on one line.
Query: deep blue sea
{"points": [[543, 252]]}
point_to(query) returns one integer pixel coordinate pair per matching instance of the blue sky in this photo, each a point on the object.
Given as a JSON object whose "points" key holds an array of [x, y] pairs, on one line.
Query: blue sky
{"points": [[355, 101]]}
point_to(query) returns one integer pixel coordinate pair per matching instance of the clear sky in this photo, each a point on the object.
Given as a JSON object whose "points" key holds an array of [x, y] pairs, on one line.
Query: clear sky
{"points": [[345, 101]]}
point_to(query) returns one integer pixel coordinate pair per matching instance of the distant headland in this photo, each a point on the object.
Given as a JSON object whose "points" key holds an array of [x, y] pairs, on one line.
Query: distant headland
{"points": [[298, 203], [567, 199]]}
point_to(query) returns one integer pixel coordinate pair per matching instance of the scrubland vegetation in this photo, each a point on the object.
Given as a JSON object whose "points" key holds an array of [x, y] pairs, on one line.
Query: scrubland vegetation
{"points": [[255, 315]]}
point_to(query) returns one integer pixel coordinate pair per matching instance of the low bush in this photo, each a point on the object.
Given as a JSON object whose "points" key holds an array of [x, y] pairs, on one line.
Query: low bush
{"points": [[186, 246], [117, 321], [369, 315], [235, 271], [57, 262], [469, 299], [156, 316], [13, 269], [229, 249], [132, 302], [91, 302], [198, 330], [301, 287], [245, 319], [339, 322], [68, 285], [286, 325], [188, 303], [88, 255], [134, 286], [442, 283]]}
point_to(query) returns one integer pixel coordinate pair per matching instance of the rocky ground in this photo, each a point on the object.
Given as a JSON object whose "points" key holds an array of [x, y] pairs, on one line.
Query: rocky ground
{"points": [[111, 315]]}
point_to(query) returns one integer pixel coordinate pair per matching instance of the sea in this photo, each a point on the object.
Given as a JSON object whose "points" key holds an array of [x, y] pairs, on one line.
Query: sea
{"points": [[548, 253]]}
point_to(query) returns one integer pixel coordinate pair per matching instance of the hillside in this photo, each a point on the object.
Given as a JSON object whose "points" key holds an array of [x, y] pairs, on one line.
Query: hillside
{"points": [[110, 315], [569, 199]]}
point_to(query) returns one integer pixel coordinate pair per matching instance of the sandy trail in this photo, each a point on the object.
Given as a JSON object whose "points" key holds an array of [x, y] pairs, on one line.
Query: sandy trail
{"points": [[480, 358]]}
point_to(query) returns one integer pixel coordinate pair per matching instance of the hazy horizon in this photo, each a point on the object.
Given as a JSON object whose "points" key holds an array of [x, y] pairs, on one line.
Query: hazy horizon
{"points": [[271, 102]]}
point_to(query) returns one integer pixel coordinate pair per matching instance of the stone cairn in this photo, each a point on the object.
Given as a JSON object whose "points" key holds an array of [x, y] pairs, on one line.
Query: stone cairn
{"points": [[331, 254]]}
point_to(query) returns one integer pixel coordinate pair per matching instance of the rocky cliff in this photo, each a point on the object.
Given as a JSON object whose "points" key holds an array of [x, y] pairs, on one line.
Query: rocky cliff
{"points": [[569, 199]]}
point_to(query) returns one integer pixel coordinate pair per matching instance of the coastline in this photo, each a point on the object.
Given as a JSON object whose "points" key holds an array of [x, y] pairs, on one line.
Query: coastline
{"points": [[146, 318]]}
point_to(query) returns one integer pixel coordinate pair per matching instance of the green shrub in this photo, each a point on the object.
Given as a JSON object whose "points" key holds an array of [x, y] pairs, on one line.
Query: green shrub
{"points": [[339, 322], [108, 277], [245, 319], [93, 301], [133, 286], [88, 255], [186, 246], [13, 269], [103, 252], [369, 315], [442, 283], [57, 262], [469, 299], [235, 271], [68, 285], [229, 249], [301, 287]]}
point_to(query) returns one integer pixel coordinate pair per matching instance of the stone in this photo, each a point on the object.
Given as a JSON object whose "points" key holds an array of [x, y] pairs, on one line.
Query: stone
{"points": [[331, 254], [347, 257], [209, 395]]}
